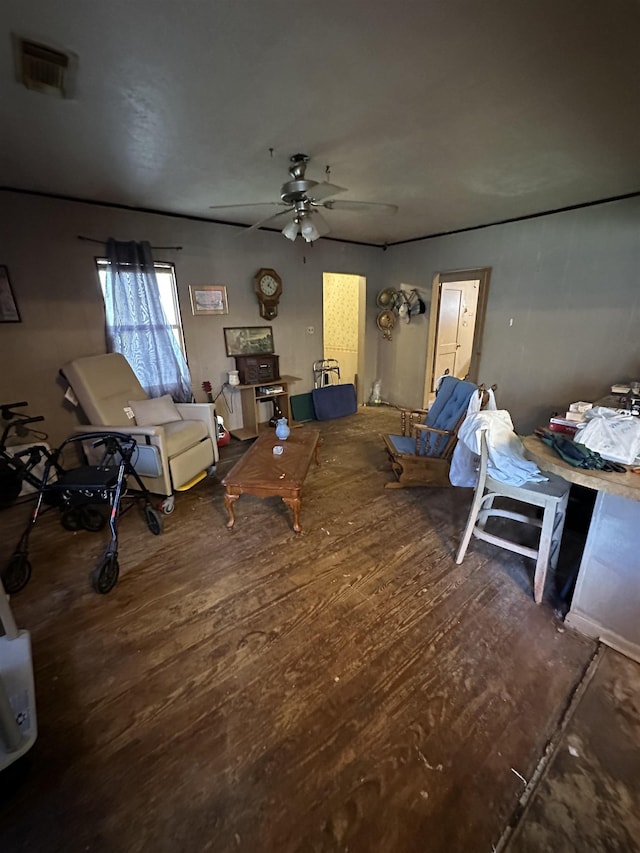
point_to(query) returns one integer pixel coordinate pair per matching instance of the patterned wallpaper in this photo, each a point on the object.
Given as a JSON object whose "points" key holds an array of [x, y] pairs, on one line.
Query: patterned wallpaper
{"points": [[340, 309]]}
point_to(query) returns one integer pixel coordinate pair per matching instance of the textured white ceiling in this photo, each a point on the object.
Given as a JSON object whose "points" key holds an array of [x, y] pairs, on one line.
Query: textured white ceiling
{"points": [[460, 112]]}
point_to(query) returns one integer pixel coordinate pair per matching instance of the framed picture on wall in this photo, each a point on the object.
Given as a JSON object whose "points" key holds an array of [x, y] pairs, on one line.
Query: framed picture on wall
{"points": [[208, 299], [249, 340], [8, 309]]}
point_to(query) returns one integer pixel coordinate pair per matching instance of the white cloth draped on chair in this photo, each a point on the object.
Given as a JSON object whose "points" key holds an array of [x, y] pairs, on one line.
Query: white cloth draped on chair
{"points": [[506, 462]]}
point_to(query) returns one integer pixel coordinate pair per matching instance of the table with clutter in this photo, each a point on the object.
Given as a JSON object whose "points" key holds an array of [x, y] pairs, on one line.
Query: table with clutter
{"points": [[606, 599]]}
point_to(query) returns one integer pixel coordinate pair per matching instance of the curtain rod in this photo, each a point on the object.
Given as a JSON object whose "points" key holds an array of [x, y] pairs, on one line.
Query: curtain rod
{"points": [[103, 242]]}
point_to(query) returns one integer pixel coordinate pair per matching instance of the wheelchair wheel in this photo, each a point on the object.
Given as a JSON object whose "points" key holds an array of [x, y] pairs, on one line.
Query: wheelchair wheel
{"points": [[153, 519], [15, 576], [91, 518], [105, 575]]}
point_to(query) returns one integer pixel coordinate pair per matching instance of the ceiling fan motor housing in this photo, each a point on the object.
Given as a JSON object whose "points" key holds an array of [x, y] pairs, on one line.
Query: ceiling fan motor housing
{"points": [[296, 190], [298, 165]]}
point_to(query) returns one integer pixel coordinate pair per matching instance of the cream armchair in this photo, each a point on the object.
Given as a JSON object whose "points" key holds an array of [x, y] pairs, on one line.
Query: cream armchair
{"points": [[172, 454]]}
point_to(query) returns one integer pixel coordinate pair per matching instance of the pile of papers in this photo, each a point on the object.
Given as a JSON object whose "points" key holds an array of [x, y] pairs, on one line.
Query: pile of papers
{"points": [[572, 419]]}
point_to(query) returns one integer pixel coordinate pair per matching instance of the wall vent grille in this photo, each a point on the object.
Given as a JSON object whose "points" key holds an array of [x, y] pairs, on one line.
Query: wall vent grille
{"points": [[43, 69]]}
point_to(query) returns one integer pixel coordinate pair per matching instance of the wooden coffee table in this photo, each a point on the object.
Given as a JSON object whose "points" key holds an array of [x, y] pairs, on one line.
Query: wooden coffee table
{"points": [[263, 474]]}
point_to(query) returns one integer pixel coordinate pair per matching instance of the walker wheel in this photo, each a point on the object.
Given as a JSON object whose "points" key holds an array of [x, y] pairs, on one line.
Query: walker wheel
{"points": [[153, 519], [71, 520], [105, 575], [91, 518], [16, 574]]}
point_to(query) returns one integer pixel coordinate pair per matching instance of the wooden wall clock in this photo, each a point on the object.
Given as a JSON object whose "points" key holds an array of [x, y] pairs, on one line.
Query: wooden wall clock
{"points": [[268, 285]]}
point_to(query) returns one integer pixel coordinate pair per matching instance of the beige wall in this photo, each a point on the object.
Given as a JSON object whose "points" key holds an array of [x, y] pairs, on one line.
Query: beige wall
{"points": [[56, 287], [570, 283]]}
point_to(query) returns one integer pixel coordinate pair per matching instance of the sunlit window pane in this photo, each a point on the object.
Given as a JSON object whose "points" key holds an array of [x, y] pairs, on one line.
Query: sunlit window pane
{"points": [[166, 278]]}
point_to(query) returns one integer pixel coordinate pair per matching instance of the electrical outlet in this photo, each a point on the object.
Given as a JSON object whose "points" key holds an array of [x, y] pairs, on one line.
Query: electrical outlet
{"points": [[311, 330]]}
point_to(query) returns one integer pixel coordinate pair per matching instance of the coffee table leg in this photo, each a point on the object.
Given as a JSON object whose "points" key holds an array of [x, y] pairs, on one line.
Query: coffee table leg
{"points": [[229, 501], [294, 506]]}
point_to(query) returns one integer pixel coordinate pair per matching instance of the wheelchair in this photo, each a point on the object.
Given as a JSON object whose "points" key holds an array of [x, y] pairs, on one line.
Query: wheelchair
{"points": [[78, 493]]}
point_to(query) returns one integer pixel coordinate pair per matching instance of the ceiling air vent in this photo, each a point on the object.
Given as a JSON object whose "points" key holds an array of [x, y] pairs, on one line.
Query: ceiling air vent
{"points": [[44, 69]]}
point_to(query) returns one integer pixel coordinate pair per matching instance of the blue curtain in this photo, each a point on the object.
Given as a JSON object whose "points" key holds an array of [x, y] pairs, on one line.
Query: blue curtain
{"points": [[137, 325]]}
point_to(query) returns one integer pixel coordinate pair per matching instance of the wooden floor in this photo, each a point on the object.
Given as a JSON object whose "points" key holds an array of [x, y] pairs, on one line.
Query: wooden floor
{"points": [[347, 688], [588, 796]]}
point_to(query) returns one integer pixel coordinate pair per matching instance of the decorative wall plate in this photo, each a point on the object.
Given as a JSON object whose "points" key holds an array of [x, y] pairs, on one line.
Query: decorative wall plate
{"points": [[386, 298], [386, 321]]}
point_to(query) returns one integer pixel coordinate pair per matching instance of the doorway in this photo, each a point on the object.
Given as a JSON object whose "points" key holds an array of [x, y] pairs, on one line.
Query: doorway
{"points": [[458, 305], [343, 324]]}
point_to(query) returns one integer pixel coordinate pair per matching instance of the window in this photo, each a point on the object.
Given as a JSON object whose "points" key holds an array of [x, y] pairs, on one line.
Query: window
{"points": [[165, 274]]}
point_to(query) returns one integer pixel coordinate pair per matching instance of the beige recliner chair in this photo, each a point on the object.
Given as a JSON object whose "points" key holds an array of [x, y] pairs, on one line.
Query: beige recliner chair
{"points": [[174, 452]]}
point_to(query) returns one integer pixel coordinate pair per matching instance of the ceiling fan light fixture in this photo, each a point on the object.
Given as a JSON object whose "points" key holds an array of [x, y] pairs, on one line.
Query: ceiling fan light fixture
{"points": [[309, 230], [290, 230]]}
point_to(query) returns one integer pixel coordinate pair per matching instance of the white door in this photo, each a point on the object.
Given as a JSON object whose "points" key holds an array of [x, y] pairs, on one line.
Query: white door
{"points": [[455, 328], [456, 321], [448, 321]]}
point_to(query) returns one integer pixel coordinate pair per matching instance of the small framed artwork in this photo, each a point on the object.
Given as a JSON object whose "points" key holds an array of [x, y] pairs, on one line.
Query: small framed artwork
{"points": [[249, 340], [8, 309], [208, 299]]}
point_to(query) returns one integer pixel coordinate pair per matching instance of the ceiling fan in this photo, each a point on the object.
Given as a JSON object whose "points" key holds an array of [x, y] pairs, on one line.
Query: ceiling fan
{"points": [[300, 199]]}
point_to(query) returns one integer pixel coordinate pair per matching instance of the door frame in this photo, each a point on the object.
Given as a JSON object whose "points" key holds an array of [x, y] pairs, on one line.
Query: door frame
{"points": [[483, 275]]}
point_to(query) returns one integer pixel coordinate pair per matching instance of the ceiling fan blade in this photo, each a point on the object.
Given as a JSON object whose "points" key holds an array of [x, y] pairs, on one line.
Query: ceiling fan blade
{"points": [[255, 204], [324, 190], [267, 219], [370, 206]]}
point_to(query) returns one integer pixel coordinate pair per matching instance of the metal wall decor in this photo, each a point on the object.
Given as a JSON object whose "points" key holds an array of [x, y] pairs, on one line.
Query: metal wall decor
{"points": [[402, 303]]}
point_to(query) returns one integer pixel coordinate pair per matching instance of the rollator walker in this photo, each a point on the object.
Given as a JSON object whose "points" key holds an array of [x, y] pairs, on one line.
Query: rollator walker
{"points": [[78, 494]]}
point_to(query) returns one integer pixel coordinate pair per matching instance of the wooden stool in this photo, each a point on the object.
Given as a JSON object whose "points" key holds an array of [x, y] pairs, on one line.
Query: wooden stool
{"points": [[551, 496]]}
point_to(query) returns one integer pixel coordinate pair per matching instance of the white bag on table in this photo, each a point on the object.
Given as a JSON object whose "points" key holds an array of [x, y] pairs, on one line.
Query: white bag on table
{"points": [[614, 436]]}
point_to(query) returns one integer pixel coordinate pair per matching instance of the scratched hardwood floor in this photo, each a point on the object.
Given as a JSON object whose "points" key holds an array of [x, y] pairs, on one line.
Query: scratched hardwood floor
{"points": [[348, 688], [588, 797]]}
